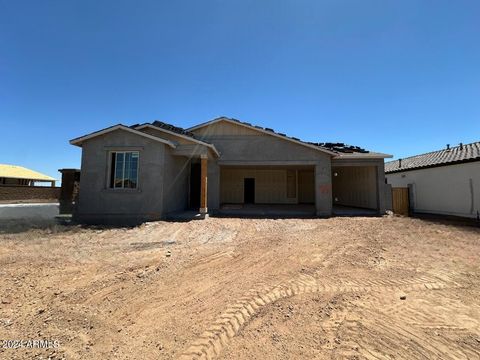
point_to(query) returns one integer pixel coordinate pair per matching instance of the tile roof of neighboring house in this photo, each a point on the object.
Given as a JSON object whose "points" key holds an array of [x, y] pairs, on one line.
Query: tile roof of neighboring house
{"points": [[448, 156], [19, 172]]}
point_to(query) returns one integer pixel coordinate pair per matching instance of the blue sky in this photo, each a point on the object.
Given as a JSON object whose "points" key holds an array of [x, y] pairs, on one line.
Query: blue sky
{"points": [[401, 77]]}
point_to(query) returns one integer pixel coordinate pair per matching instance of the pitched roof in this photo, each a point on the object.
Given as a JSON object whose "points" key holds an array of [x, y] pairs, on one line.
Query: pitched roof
{"points": [[261, 129], [167, 127], [175, 130], [20, 172], [78, 141], [458, 154], [339, 150], [341, 147]]}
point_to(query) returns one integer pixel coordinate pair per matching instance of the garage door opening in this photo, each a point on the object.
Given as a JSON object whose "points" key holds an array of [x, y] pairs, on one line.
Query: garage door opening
{"points": [[354, 189]]}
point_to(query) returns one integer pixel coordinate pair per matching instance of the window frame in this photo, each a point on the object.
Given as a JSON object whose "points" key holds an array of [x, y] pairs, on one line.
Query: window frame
{"points": [[112, 169]]}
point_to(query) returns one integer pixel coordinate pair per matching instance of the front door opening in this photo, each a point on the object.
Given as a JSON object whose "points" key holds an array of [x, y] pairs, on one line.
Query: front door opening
{"points": [[195, 180], [249, 191]]}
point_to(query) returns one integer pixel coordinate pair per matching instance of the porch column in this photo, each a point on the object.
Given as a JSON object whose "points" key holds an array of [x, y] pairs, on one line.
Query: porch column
{"points": [[323, 188], [204, 185]]}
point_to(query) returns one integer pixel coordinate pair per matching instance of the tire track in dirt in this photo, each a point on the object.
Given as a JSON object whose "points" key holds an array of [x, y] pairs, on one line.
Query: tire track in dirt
{"points": [[210, 344], [381, 336]]}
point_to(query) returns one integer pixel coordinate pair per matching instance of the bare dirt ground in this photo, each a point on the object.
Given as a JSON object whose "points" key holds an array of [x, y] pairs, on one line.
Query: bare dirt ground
{"points": [[352, 288]]}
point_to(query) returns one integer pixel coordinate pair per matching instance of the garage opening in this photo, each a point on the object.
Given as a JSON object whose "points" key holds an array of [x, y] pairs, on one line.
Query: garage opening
{"points": [[354, 188], [268, 189]]}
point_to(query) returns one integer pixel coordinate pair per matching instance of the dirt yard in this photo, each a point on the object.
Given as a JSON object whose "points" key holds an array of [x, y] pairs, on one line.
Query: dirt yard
{"points": [[336, 288]]}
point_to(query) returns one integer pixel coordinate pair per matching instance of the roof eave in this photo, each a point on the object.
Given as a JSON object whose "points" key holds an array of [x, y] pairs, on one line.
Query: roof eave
{"points": [[211, 146], [363, 156], [29, 178], [78, 141]]}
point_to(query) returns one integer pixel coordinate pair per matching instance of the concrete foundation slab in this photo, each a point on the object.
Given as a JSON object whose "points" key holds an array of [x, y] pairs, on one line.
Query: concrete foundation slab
{"points": [[339, 210], [267, 210]]}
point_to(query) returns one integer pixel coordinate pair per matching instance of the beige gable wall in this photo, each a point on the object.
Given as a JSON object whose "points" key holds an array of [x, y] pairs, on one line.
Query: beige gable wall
{"points": [[237, 143], [223, 128]]}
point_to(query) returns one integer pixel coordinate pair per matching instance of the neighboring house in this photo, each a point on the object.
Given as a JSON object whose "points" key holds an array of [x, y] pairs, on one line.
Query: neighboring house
{"points": [[19, 184], [20, 176], [144, 172], [441, 182]]}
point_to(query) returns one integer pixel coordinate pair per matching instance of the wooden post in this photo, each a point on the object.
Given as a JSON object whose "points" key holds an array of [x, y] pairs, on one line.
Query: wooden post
{"points": [[204, 186]]}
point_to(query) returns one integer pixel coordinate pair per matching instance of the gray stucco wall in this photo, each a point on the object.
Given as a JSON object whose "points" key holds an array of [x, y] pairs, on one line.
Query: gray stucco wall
{"points": [[213, 181], [323, 187], [267, 150], [240, 149], [98, 203]]}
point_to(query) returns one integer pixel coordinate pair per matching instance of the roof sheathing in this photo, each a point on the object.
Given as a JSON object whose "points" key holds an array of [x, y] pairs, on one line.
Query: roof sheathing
{"points": [[20, 172]]}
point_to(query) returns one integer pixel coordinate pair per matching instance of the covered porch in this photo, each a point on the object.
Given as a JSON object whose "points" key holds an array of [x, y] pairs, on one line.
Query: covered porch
{"points": [[267, 185], [267, 189]]}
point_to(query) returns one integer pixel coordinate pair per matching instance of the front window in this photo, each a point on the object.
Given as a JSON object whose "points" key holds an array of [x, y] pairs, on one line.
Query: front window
{"points": [[124, 169]]}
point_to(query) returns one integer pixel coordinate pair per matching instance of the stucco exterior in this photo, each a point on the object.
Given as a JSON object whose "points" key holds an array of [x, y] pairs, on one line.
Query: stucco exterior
{"points": [[448, 190], [98, 203], [242, 147], [233, 152]]}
